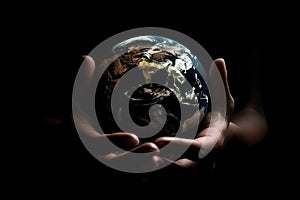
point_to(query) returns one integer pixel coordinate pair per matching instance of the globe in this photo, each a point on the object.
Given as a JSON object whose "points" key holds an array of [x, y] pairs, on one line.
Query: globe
{"points": [[181, 85]]}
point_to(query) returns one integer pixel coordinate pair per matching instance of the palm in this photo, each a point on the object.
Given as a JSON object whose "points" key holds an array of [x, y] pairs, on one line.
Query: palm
{"points": [[213, 131]]}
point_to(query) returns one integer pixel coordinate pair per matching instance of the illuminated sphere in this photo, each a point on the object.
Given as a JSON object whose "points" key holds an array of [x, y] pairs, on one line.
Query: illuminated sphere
{"points": [[155, 57]]}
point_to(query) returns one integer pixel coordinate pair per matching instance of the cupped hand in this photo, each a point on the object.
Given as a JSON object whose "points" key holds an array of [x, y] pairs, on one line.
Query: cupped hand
{"points": [[214, 128], [127, 142]]}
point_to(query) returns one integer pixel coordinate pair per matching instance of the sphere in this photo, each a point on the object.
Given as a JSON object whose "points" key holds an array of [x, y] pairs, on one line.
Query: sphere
{"points": [[181, 85]]}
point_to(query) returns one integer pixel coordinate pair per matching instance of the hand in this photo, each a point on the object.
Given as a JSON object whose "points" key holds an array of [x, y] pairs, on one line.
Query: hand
{"points": [[249, 125], [127, 141]]}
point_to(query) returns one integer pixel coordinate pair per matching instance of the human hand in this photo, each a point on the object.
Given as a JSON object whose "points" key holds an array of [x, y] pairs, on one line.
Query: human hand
{"points": [[127, 142], [214, 129], [248, 125]]}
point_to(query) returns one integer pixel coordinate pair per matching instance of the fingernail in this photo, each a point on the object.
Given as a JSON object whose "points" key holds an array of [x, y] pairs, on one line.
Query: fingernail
{"points": [[222, 59]]}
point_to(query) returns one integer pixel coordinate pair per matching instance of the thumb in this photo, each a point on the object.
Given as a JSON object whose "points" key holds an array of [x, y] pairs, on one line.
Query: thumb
{"points": [[221, 66], [89, 67], [220, 63]]}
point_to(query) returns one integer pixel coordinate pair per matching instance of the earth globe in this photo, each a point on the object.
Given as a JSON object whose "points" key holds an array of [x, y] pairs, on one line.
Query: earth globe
{"points": [[167, 74]]}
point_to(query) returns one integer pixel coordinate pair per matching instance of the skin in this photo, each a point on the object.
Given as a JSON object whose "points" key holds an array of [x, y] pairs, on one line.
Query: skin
{"points": [[248, 125]]}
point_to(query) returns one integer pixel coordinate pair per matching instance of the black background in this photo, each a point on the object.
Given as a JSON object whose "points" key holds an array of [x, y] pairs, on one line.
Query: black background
{"points": [[54, 41]]}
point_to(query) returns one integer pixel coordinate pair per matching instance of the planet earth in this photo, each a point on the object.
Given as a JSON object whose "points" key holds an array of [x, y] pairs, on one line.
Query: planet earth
{"points": [[184, 86]]}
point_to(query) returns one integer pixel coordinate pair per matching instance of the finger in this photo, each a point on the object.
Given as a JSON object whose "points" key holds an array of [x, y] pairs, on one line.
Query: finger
{"points": [[220, 64], [163, 141], [99, 144], [143, 148], [150, 162], [209, 136], [186, 163], [208, 139], [82, 89], [175, 145], [124, 140], [89, 67]]}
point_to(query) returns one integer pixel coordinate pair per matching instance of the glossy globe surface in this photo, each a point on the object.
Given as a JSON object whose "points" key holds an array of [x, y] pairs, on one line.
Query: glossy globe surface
{"points": [[156, 58]]}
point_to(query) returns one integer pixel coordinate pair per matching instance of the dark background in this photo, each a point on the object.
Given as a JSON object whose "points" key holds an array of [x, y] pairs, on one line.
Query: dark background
{"points": [[55, 39], [72, 164]]}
